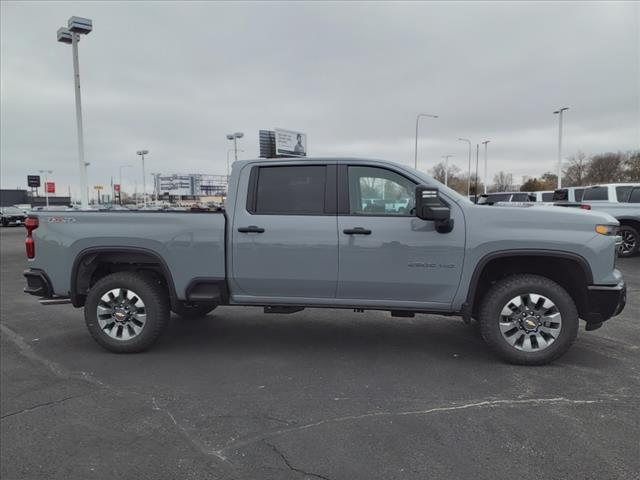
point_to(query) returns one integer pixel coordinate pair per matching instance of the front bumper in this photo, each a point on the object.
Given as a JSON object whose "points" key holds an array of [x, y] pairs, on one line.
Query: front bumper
{"points": [[604, 302]]}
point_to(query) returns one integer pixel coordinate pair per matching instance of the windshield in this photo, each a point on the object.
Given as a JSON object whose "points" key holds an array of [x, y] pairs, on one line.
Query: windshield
{"points": [[12, 211]]}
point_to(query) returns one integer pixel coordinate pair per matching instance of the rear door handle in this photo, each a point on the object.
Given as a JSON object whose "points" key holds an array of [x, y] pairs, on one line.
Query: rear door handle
{"points": [[251, 229], [356, 231]]}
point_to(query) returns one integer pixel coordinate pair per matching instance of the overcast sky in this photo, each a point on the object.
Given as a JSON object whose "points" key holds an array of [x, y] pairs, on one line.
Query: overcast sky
{"points": [[176, 77]]}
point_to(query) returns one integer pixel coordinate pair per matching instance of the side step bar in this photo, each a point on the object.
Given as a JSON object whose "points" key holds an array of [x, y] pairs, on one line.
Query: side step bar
{"points": [[54, 301]]}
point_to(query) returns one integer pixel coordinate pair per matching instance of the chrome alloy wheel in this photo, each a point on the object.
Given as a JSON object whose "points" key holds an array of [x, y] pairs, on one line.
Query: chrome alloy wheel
{"points": [[629, 241], [530, 322], [121, 314]]}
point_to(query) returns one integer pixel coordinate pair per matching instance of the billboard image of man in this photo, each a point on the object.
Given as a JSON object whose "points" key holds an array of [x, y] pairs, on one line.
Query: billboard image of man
{"points": [[299, 148]]}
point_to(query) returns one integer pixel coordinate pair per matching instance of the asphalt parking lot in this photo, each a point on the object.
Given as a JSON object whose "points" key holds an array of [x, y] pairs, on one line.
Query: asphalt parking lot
{"points": [[320, 394]]}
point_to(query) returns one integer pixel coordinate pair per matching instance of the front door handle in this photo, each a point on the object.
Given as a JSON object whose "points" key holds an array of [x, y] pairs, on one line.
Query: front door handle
{"points": [[356, 231], [251, 229]]}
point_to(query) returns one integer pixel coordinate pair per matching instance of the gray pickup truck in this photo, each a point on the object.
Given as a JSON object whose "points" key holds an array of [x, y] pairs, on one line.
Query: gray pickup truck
{"points": [[335, 233]]}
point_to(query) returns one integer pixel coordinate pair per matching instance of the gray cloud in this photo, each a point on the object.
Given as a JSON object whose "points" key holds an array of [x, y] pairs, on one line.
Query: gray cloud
{"points": [[176, 77]]}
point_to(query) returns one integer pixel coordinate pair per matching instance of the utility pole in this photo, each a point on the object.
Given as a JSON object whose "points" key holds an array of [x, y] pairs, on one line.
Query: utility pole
{"points": [[469, 178], [446, 169], [485, 164]]}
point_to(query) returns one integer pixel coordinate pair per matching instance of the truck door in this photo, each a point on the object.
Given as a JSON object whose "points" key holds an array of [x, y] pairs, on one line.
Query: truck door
{"points": [[387, 254], [284, 238]]}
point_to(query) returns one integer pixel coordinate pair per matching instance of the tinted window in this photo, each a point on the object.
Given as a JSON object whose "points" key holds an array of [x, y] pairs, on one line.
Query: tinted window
{"points": [[378, 191], [547, 197], [634, 197], [291, 190], [577, 193], [596, 193], [521, 197], [498, 197], [623, 193]]}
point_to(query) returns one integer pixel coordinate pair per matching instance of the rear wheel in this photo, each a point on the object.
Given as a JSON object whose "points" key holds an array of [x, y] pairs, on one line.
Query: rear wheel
{"points": [[630, 241], [126, 312], [528, 319]]}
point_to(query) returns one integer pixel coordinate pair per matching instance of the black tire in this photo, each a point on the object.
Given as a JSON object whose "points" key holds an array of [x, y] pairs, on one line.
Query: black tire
{"points": [[5, 223], [189, 311], [156, 306], [522, 284], [629, 236]]}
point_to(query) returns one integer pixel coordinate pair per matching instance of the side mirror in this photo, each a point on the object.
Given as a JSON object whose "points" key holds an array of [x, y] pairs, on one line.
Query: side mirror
{"points": [[430, 208]]}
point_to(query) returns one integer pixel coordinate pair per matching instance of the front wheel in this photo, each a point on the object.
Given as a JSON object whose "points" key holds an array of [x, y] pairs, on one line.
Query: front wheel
{"points": [[630, 241], [528, 319], [126, 312]]}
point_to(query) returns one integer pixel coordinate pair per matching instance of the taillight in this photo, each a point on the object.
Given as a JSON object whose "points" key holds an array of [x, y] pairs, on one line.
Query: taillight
{"points": [[585, 207], [30, 224]]}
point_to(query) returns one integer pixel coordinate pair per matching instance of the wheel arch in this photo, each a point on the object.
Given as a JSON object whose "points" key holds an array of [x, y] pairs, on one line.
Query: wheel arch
{"points": [[88, 262], [564, 268]]}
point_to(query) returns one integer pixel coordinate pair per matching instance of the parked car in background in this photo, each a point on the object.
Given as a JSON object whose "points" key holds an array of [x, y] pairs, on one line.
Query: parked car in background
{"points": [[544, 196], [12, 216], [612, 192], [496, 197], [568, 194]]}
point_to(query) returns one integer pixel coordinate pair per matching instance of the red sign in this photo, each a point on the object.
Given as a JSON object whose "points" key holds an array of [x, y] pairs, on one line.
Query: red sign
{"points": [[51, 187], [116, 187]]}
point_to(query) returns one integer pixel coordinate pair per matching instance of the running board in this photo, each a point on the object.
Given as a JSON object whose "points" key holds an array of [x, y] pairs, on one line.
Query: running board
{"points": [[282, 309], [54, 301]]}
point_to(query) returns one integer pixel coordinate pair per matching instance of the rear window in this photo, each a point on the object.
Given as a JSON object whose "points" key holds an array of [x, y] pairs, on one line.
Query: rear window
{"points": [[578, 193], [596, 193], [547, 197], [623, 193], [521, 197], [293, 190], [498, 197], [634, 197]]}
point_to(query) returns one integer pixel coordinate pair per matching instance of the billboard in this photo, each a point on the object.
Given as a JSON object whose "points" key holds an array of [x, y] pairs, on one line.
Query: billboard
{"points": [[290, 143], [33, 181], [50, 187]]}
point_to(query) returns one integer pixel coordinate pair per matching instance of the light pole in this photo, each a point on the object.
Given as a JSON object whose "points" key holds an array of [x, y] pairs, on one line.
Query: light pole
{"points": [[415, 158], [120, 180], [469, 179], [446, 169], [77, 26], [228, 152], [475, 195], [46, 191], [559, 113], [142, 153], [235, 136], [485, 164]]}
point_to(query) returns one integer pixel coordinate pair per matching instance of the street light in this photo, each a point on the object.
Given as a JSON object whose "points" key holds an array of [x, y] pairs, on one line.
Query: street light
{"points": [[485, 164], [469, 179], [415, 159], [235, 136], [46, 191], [77, 26], [142, 153], [120, 180], [559, 113], [446, 169]]}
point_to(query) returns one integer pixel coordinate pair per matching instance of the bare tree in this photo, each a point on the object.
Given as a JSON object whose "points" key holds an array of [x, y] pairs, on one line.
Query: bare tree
{"points": [[502, 182], [575, 174], [632, 167], [438, 172], [606, 168]]}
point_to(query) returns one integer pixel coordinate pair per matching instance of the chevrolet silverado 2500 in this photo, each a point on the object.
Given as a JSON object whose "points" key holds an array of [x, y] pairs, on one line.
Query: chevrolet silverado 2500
{"points": [[334, 233]]}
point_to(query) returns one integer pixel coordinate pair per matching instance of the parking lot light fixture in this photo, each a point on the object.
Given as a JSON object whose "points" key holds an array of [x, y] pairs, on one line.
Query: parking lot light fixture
{"points": [[469, 178], [142, 153], [235, 136], [77, 26], [428, 115], [485, 164], [559, 113], [446, 169], [46, 192]]}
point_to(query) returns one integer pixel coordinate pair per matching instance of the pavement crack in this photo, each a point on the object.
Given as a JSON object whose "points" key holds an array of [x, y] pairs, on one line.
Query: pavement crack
{"points": [[27, 351], [291, 467], [41, 405], [197, 444], [473, 405]]}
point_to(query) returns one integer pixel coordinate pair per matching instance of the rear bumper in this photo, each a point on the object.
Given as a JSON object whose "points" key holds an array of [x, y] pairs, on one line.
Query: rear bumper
{"points": [[38, 283], [605, 301]]}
